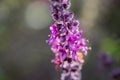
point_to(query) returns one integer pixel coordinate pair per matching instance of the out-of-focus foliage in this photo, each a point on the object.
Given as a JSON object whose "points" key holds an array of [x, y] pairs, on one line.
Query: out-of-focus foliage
{"points": [[111, 23], [12, 4]]}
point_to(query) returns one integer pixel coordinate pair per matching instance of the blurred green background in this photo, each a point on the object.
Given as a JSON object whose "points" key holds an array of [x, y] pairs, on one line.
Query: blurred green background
{"points": [[24, 28]]}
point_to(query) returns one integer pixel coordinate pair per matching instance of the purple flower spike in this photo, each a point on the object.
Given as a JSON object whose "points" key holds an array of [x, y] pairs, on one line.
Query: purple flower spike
{"points": [[66, 40]]}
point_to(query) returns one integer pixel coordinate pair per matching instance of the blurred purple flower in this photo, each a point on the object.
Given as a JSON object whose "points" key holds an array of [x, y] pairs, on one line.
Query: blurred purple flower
{"points": [[66, 39], [115, 74], [106, 60]]}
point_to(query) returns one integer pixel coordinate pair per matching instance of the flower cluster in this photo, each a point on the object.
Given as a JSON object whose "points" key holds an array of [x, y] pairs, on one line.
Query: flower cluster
{"points": [[66, 39]]}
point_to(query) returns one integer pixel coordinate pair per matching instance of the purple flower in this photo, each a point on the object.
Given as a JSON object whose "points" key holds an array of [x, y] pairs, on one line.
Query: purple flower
{"points": [[66, 39], [106, 60], [115, 74]]}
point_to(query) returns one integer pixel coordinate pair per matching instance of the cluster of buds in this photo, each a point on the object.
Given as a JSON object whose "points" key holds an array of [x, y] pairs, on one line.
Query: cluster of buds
{"points": [[66, 39]]}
